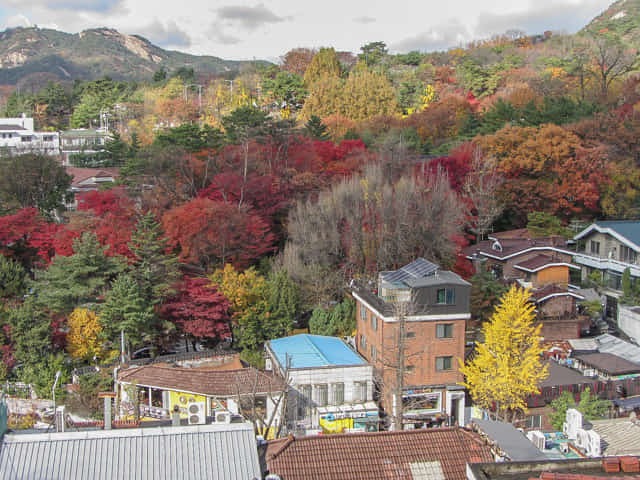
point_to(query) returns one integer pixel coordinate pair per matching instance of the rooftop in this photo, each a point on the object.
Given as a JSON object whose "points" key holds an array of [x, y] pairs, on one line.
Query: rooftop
{"points": [[608, 363], [505, 247], [218, 452], [81, 175], [440, 453], [627, 231], [203, 381], [510, 440], [559, 375], [313, 351], [619, 436], [538, 262], [11, 128], [417, 269]]}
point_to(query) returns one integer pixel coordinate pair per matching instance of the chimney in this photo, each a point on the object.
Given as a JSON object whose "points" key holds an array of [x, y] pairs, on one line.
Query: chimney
{"points": [[108, 399], [59, 417]]}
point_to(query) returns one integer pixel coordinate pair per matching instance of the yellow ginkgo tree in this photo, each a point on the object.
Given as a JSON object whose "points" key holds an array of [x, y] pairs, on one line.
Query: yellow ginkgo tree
{"points": [[83, 339], [508, 365]]}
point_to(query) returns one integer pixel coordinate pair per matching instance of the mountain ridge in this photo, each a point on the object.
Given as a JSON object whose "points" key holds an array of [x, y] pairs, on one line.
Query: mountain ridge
{"points": [[94, 53]]}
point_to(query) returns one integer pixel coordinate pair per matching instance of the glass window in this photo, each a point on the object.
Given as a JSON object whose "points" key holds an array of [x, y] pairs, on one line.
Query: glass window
{"points": [[363, 342], [374, 353], [446, 296], [374, 322], [444, 363], [410, 334], [304, 400], [322, 395], [338, 393], [363, 312], [444, 330], [359, 392], [595, 247]]}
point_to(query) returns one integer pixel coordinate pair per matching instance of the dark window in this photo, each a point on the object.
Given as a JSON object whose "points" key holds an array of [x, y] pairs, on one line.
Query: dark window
{"points": [[338, 393], [363, 312], [322, 394], [374, 322], [444, 330], [410, 334], [595, 247], [627, 254], [446, 296], [444, 363]]}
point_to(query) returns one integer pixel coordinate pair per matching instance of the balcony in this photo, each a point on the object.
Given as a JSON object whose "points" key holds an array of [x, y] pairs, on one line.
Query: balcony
{"points": [[606, 264]]}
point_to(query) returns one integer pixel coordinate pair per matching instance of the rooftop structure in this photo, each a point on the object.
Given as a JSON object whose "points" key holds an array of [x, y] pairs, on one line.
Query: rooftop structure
{"points": [[441, 453], [511, 442], [313, 351], [608, 364], [224, 452]]}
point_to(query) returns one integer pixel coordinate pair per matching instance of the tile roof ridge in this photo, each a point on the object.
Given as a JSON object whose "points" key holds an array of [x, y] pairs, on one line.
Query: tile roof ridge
{"points": [[286, 441]]}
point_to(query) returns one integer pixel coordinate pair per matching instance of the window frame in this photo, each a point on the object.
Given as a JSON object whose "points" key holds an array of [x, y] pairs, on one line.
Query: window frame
{"points": [[446, 328], [449, 296], [441, 363]]}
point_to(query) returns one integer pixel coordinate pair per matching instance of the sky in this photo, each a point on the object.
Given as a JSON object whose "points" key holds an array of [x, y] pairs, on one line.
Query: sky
{"points": [[241, 30]]}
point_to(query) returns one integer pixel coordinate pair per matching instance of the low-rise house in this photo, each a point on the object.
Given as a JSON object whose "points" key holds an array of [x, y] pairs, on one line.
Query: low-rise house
{"points": [[89, 179], [439, 453], [433, 305], [605, 366], [331, 386], [222, 393], [543, 265], [17, 135], [85, 143], [197, 452], [609, 248]]}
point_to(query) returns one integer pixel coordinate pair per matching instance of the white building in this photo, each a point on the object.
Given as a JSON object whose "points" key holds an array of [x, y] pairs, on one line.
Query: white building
{"points": [[331, 386], [18, 136]]}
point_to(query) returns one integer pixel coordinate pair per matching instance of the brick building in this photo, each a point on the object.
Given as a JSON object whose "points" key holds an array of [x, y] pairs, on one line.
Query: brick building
{"points": [[433, 306]]}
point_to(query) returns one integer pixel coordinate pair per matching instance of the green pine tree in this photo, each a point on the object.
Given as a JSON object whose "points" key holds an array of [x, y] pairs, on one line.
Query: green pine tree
{"points": [[79, 279], [12, 278], [316, 129], [155, 270]]}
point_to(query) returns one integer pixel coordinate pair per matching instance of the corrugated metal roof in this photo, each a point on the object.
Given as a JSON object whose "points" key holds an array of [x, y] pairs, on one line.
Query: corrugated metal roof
{"points": [[607, 343], [419, 268], [216, 452], [308, 351]]}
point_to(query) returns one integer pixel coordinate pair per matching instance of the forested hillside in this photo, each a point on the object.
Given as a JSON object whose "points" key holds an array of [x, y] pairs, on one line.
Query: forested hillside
{"points": [[244, 205]]}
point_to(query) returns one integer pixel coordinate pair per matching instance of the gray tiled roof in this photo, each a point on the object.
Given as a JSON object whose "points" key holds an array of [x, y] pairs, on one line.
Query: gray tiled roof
{"points": [[216, 452]]}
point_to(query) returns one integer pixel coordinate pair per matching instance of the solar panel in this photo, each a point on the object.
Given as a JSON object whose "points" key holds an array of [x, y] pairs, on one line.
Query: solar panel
{"points": [[419, 268]]}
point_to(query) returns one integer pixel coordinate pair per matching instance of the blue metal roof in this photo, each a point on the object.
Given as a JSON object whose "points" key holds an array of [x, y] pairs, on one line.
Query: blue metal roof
{"points": [[308, 351], [629, 229]]}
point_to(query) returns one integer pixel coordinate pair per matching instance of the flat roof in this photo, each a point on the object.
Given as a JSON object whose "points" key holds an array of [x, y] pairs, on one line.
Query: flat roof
{"points": [[510, 440], [309, 351]]}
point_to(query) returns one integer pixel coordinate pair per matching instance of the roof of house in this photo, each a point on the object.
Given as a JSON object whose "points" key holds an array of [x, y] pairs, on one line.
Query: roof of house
{"points": [[439, 453], [540, 261], [84, 132], [559, 375], [309, 351], [503, 248], [419, 268], [198, 452], [12, 128], [627, 231], [80, 175], [619, 436], [510, 440], [198, 381], [608, 363], [607, 343], [543, 294]]}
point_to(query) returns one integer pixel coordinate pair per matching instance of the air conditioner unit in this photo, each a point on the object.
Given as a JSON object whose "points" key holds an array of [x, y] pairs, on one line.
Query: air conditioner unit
{"points": [[223, 417], [582, 439], [537, 438], [594, 444], [197, 414], [590, 372]]}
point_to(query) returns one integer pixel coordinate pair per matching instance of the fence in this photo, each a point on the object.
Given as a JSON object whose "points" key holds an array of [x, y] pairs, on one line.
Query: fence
{"points": [[17, 389], [177, 357]]}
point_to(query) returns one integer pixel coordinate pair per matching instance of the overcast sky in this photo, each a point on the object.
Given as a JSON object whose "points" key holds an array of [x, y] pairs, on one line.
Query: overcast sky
{"points": [[237, 29]]}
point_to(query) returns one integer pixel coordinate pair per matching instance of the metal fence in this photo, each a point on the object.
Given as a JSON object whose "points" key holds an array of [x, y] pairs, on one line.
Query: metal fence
{"points": [[176, 357]]}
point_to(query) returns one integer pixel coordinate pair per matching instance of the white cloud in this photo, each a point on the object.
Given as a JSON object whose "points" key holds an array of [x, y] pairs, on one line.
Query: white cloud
{"points": [[169, 35]]}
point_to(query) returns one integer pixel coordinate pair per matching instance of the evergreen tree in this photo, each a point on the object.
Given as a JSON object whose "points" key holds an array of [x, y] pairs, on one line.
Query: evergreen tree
{"points": [[12, 278], [30, 333], [155, 270], [283, 304], [126, 309], [79, 279], [628, 292], [316, 129], [508, 364]]}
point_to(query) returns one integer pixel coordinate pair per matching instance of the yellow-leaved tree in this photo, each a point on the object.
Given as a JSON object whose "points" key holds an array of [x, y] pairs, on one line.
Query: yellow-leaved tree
{"points": [[83, 339], [508, 365]]}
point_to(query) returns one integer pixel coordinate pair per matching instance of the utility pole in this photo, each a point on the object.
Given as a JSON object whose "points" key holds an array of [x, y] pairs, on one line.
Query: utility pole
{"points": [[230, 86], [199, 87]]}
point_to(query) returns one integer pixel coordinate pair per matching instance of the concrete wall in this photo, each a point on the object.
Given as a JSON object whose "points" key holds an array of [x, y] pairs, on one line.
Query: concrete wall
{"points": [[629, 322]]}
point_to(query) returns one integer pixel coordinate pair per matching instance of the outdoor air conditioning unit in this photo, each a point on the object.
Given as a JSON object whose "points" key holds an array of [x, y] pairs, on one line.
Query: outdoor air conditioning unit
{"points": [[593, 446], [590, 372], [223, 417], [537, 438], [582, 439], [197, 414]]}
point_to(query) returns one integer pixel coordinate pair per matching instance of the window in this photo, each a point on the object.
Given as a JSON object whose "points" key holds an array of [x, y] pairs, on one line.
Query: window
{"points": [[446, 296], [595, 247], [534, 421], [444, 330], [410, 335], [322, 395], [304, 400], [338, 394], [374, 353], [410, 368], [444, 363], [26, 139], [359, 392], [363, 312], [627, 255], [363, 343], [374, 323]]}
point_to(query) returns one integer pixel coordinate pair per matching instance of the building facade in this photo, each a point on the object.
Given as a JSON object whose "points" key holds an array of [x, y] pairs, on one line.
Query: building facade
{"points": [[414, 320], [17, 136], [330, 385]]}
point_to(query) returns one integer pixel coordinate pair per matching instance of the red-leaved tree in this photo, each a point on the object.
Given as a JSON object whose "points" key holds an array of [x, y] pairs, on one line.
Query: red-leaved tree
{"points": [[199, 310]]}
